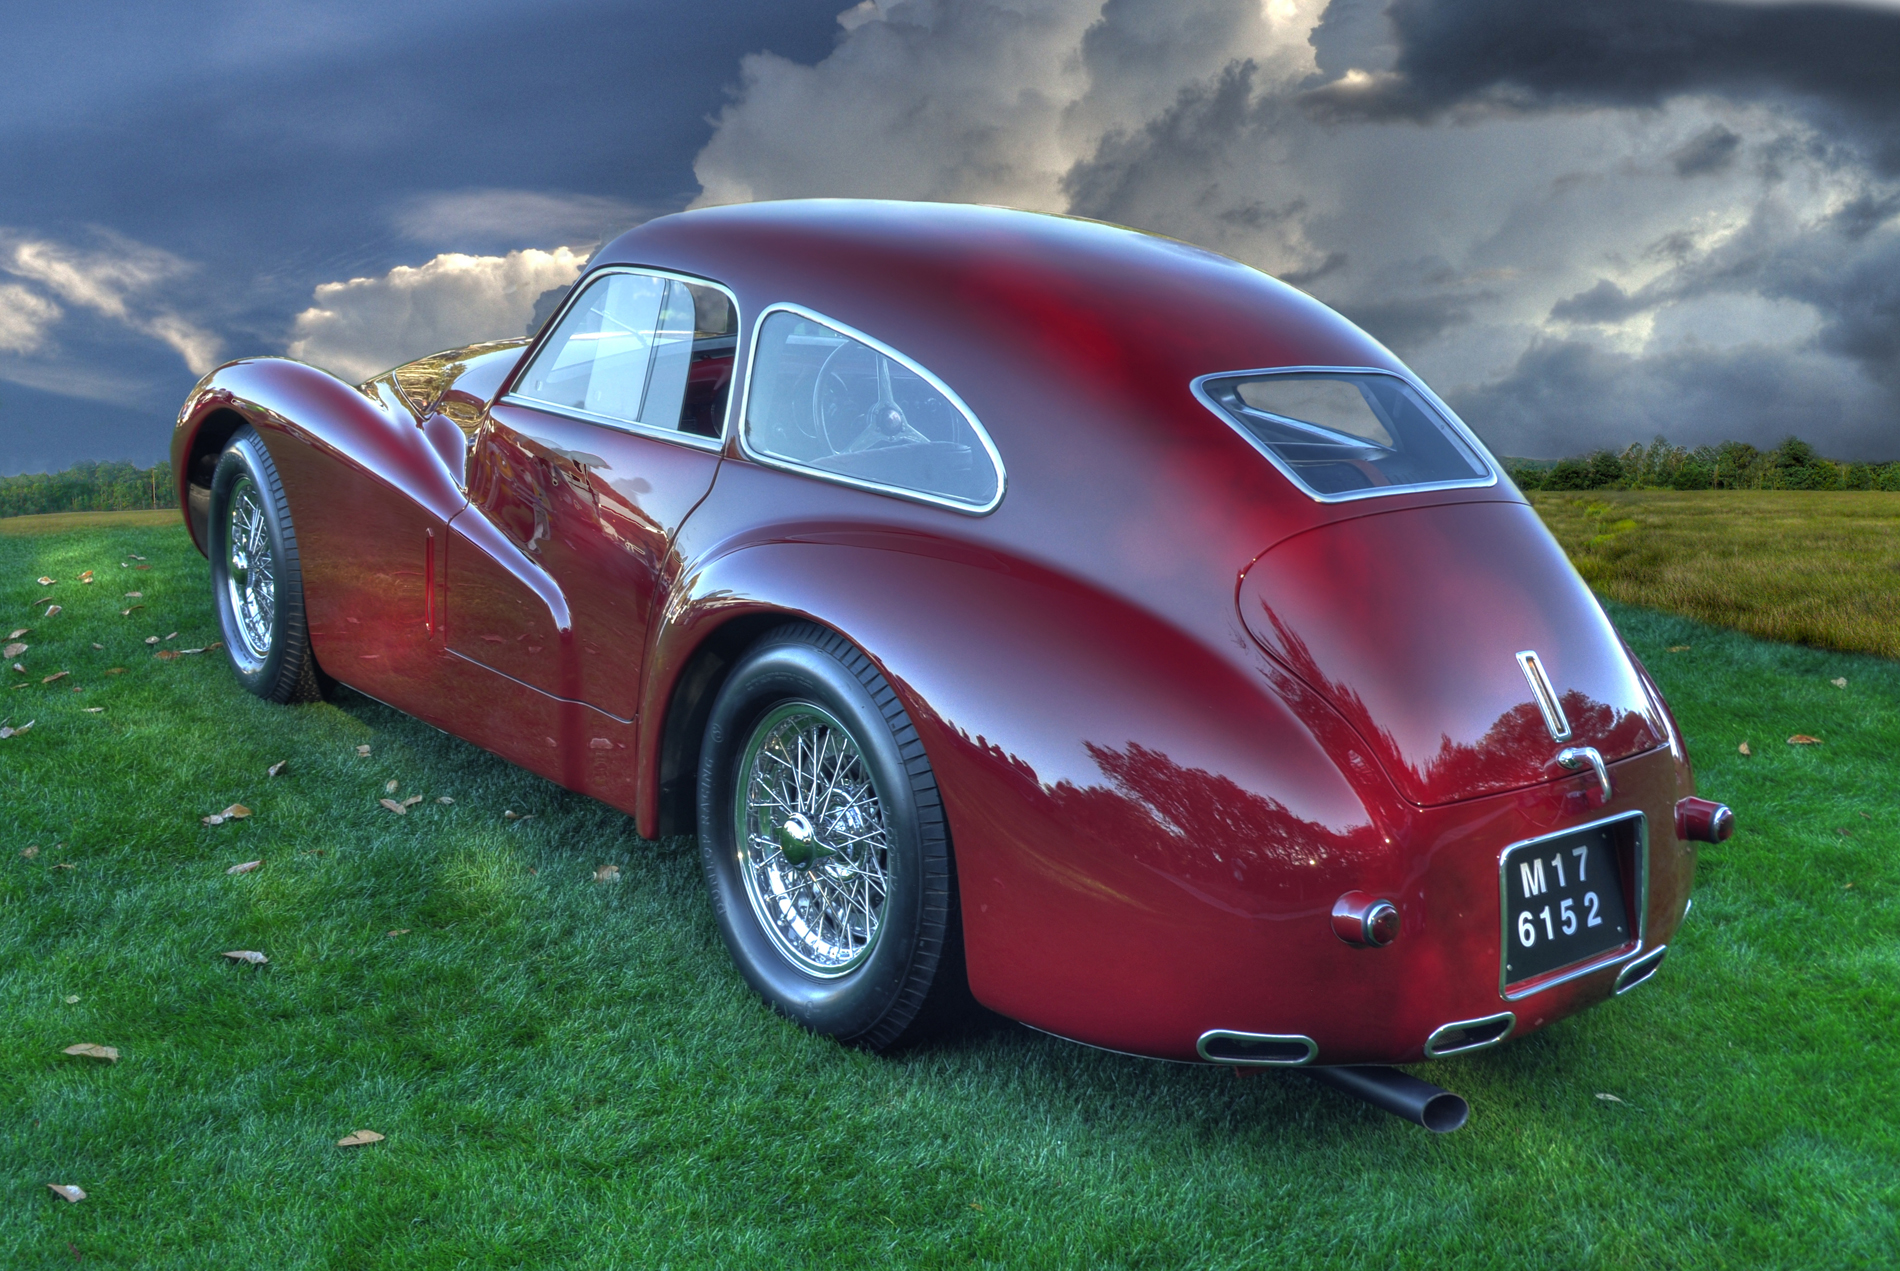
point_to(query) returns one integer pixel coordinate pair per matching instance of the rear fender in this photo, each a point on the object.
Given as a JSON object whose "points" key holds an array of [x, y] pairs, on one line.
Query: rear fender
{"points": [[1129, 808]]}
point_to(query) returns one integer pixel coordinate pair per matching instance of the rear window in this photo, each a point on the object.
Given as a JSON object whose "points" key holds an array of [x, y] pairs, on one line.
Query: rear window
{"points": [[1347, 434]]}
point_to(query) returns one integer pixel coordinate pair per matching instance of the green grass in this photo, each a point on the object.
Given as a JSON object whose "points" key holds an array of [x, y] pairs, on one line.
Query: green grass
{"points": [[1811, 567], [571, 1075]]}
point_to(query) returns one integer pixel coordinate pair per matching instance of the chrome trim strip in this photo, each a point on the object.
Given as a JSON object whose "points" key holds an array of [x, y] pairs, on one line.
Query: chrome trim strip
{"points": [[1611, 958], [1276, 1039], [635, 427], [876, 487], [1433, 1050], [1198, 387], [1546, 694], [1639, 971]]}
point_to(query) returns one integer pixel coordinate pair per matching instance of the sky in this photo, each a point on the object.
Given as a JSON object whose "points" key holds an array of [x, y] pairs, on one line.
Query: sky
{"points": [[1585, 223]]}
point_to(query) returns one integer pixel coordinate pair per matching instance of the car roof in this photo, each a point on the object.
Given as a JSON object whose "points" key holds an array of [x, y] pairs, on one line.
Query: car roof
{"points": [[920, 275]]}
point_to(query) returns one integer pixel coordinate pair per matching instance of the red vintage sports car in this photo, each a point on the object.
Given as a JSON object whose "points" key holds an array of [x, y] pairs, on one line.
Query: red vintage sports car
{"points": [[1015, 606]]}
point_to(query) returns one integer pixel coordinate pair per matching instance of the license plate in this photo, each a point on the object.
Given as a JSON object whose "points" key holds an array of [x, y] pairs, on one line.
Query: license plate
{"points": [[1563, 899]]}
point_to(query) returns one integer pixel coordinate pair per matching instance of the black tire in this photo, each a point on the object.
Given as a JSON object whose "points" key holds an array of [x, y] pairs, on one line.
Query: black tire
{"points": [[265, 637], [906, 978]]}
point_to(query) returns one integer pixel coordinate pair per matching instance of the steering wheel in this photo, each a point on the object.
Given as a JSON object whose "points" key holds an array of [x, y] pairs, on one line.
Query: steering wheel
{"points": [[883, 424]]}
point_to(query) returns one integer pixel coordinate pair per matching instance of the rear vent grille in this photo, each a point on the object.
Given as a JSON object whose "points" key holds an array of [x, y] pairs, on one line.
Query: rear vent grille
{"points": [[1257, 1049], [1470, 1034]]}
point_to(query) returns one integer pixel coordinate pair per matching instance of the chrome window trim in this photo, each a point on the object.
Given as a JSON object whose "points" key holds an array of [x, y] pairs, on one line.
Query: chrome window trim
{"points": [[876, 487], [1483, 454], [1601, 961], [1287, 1039], [631, 426], [1433, 1050]]}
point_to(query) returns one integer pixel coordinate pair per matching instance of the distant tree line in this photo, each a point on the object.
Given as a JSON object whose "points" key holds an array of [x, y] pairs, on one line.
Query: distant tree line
{"points": [[1733, 465], [89, 487]]}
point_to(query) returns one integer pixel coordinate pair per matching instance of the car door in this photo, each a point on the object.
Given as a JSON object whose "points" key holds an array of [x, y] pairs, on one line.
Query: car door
{"points": [[579, 478]]}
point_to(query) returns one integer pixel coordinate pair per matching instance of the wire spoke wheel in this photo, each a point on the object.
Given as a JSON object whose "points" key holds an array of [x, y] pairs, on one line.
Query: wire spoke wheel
{"points": [[251, 573], [814, 848]]}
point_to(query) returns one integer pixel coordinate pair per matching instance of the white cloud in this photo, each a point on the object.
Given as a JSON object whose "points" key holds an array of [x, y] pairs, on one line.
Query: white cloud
{"points": [[515, 214], [362, 327], [120, 282], [1454, 241], [24, 317]]}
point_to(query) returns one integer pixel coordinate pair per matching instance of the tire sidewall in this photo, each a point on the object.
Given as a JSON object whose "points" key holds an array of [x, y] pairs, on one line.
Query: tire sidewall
{"points": [[850, 1005], [245, 456]]}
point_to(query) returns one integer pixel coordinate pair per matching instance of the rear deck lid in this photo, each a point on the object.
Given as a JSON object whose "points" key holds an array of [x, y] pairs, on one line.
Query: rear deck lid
{"points": [[1411, 623]]}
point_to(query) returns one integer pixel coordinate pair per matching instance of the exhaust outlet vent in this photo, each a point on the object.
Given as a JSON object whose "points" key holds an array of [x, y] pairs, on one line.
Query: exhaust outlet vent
{"points": [[1634, 973], [1264, 1050], [1469, 1034]]}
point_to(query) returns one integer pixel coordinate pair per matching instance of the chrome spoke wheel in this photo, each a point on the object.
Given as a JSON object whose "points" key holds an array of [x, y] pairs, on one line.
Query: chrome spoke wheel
{"points": [[250, 569], [814, 848]]}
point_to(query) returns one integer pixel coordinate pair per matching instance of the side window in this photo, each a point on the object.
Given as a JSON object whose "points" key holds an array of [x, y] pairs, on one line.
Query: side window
{"points": [[828, 402], [634, 348]]}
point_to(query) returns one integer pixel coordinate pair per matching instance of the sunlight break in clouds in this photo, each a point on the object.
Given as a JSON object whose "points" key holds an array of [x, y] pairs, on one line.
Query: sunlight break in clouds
{"points": [[1583, 225], [360, 328], [118, 282]]}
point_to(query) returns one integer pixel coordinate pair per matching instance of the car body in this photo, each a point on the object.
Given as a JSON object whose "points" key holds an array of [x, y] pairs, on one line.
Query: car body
{"points": [[1193, 711]]}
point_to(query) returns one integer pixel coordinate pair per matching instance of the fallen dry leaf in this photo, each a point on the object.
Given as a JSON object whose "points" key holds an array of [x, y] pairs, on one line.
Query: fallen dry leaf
{"points": [[444, 799], [47, 582], [236, 812], [30, 851], [607, 874], [115, 670], [412, 800], [1802, 739], [95, 710], [1868, 815], [135, 556], [90, 1051], [135, 595], [19, 668], [6, 732], [52, 609], [141, 566], [276, 768], [86, 576], [64, 865], [1743, 749], [70, 998], [1608, 1098], [151, 639], [251, 956], [509, 815], [1678, 648], [167, 655], [56, 675], [400, 931], [1840, 683], [394, 806], [97, 645], [362, 752], [389, 787], [172, 636], [245, 868], [127, 613], [359, 1138], [68, 1192], [14, 650], [1847, 887], [17, 632]]}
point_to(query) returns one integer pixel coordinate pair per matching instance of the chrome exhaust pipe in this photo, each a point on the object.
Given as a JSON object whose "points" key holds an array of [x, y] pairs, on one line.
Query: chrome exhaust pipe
{"points": [[1420, 1102]]}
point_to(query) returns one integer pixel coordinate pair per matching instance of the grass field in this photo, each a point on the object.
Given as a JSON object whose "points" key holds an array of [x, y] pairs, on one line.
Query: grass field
{"points": [[569, 1074], [1805, 566]]}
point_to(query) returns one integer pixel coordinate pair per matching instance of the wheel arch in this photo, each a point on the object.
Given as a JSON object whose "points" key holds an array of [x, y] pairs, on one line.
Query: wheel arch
{"points": [[207, 441]]}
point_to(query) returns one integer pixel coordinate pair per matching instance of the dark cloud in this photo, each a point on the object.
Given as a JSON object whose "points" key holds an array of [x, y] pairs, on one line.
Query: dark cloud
{"points": [[1548, 53], [282, 145], [1711, 150], [1565, 397], [1180, 149], [1605, 303]]}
